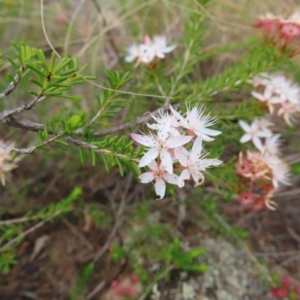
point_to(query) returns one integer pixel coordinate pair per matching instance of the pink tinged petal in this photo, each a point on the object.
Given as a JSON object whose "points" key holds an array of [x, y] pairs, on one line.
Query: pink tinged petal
{"points": [[245, 138], [212, 132], [146, 177], [148, 157], [196, 176], [166, 161], [257, 142], [160, 188], [185, 175], [142, 139], [244, 125], [153, 165], [181, 156], [171, 178], [178, 141]]}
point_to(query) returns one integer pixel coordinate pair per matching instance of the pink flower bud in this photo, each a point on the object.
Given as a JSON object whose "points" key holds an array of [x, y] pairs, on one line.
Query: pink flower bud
{"points": [[286, 282]]}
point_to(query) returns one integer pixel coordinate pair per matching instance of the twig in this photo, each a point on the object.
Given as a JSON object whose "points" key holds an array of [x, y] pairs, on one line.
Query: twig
{"points": [[33, 126], [20, 109], [119, 220], [117, 225], [18, 220], [96, 290], [12, 85], [150, 287], [77, 233], [26, 232], [32, 149], [85, 145], [122, 127]]}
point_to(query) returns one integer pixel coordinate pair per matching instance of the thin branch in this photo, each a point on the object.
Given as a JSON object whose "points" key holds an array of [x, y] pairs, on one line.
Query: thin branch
{"points": [[20, 109], [99, 113], [18, 220], [85, 145], [33, 126], [161, 276], [32, 149], [12, 85], [147, 117], [31, 229]]}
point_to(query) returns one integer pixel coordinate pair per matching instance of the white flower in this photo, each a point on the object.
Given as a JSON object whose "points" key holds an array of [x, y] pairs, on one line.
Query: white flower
{"points": [[254, 132], [271, 145], [159, 46], [160, 175], [294, 18], [260, 80], [279, 89], [287, 110], [268, 98], [162, 118], [147, 51], [280, 170], [197, 122], [193, 163], [133, 53], [159, 145]]}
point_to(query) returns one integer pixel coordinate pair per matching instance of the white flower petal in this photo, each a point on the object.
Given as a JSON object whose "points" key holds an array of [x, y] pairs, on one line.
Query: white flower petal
{"points": [[204, 137], [160, 188], [148, 157], [245, 138], [185, 175], [244, 125], [146, 177], [258, 96], [181, 156], [196, 176], [196, 150], [171, 178], [142, 139], [178, 141], [160, 55], [178, 116], [166, 161], [257, 143], [212, 132], [169, 49]]}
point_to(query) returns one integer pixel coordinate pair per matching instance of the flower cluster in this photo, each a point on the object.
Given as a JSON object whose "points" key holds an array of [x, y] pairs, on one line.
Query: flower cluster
{"points": [[128, 287], [280, 31], [5, 163], [279, 95], [166, 153], [262, 170], [286, 290], [149, 52]]}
